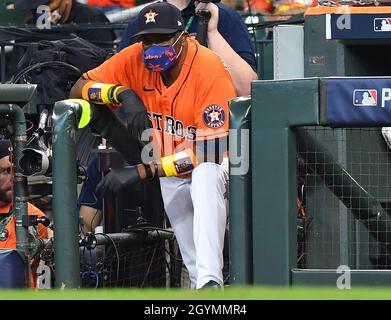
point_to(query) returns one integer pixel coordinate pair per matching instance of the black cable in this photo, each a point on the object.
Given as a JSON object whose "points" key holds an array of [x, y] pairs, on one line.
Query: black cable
{"points": [[22, 32], [115, 248], [147, 228], [47, 64], [92, 221], [31, 125], [296, 19], [92, 188], [93, 218], [149, 267]]}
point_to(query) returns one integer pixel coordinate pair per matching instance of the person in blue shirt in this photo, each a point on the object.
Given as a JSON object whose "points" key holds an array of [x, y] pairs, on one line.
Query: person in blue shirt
{"points": [[227, 35], [90, 201]]}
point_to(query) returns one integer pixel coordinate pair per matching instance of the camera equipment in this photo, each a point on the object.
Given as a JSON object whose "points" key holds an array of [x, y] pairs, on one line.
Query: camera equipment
{"points": [[34, 162], [36, 136], [33, 220]]}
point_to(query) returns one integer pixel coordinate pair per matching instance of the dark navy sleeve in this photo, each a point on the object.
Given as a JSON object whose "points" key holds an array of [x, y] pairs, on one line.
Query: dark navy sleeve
{"points": [[126, 39], [233, 29], [88, 195]]}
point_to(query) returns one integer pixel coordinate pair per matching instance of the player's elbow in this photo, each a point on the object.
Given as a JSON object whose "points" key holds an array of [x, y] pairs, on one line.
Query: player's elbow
{"points": [[243, 85], [76, 90]]}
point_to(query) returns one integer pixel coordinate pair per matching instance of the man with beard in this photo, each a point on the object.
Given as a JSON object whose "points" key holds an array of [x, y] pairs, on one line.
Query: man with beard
{"points": [[7, 218]]}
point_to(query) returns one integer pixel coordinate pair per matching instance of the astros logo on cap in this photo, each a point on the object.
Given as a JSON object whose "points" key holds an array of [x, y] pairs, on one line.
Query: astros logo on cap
{"points": [[150, 16]]}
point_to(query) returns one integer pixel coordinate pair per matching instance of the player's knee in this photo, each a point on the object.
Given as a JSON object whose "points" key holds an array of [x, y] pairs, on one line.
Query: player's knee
{"points": [[209, 172]]}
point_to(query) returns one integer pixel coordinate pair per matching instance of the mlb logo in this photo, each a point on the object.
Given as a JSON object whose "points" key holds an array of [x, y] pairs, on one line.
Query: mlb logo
{"points": [[382, 24], [365, 98]]}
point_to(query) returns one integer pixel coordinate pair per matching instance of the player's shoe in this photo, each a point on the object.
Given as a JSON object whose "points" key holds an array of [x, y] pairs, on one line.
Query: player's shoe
{"points": [[211, 284]]}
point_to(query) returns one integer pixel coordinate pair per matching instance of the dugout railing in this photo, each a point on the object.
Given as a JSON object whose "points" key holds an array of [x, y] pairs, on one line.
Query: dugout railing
{"points": [[294, 218], [354, 196]]}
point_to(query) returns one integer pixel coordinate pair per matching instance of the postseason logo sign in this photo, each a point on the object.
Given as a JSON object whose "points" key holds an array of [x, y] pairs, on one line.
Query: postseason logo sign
{"points": [[368, 97], [382, 24], [359, 102], [365, 97], [358, 26]]}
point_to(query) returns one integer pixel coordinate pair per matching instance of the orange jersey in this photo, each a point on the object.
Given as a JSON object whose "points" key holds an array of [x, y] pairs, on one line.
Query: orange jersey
{"points": [[260, 5], [109, 3], [194, 107], [9, 241]]}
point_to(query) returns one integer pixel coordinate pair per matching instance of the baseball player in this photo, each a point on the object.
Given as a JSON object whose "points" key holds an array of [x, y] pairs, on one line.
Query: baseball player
{"points": [[185, 88], [227, 35]]}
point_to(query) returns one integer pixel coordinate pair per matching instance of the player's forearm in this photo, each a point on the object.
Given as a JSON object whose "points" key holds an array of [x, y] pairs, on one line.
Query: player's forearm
{"points": [[178, 164], [241, 72], [76, 91], [96, 92], [152, 168]]}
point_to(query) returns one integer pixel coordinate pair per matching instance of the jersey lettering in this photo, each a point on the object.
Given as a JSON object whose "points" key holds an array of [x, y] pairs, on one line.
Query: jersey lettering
{"points": [[191, 133], [172, 126], [169, 125], [179, 132], [158, 119]]}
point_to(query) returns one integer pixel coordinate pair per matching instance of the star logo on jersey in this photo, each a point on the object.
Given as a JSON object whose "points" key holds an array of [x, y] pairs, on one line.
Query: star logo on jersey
{"points": [[150, 17], [214, 116]]}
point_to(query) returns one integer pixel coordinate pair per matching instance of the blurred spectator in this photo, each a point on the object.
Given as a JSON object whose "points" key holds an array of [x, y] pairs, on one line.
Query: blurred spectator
{"points": [[231, 3], [90, 201], [278, 9], [264, 7], [291, 7], [70, 11], [112, 3]]}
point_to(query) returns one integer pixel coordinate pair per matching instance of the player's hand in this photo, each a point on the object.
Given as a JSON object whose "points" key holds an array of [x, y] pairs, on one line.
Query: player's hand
{"points": [[138, 123], [117, 179], [214, 14], [135, 112], [62, 8]]}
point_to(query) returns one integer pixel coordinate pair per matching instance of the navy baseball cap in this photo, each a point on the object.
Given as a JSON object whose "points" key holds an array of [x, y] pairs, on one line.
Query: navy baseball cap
{"points": [[160, 17], [29, 4]]}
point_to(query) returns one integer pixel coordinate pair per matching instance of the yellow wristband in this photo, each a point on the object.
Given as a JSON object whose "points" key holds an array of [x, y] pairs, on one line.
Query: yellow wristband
{"points": [[115, 94], [168, 166], [105, 93], [98, 93]]}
